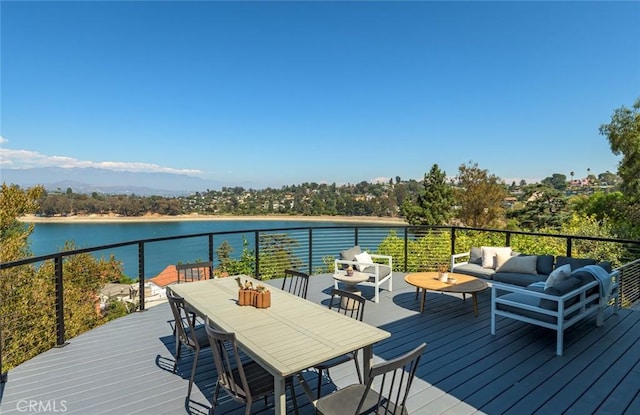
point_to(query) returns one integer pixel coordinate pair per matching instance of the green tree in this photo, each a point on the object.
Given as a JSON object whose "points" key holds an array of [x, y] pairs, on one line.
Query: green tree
{"points": [[479, 196], [623, 133], [434, 202], [557, 181], [608, 178], [27, 293], [15, 203], [544, 207]]}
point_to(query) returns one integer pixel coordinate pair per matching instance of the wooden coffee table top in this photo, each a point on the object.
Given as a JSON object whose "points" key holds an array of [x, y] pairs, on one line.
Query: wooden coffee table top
{"points": [[429, 281]]}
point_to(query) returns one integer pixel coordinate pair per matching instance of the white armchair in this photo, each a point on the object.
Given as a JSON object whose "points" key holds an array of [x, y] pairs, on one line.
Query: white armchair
{"points": [[379, 268]]}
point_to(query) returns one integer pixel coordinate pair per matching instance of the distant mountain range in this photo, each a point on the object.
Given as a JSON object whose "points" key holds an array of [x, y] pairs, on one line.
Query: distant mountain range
{"points": [[89, 180]]}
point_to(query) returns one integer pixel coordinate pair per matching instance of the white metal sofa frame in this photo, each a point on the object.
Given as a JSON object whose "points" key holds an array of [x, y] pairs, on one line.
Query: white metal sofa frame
{"points": [[377, 281], [565, 317]]}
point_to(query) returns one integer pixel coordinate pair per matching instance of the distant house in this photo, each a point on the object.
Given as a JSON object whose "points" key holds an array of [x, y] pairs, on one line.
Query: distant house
{"points": [[167, 277], [509, 201]]}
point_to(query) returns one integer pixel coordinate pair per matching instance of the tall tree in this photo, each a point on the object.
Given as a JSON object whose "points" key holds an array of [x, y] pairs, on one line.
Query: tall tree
{"points": [[557, 181], [434, 202], [480, 197], [544, 207], [623, 133]]}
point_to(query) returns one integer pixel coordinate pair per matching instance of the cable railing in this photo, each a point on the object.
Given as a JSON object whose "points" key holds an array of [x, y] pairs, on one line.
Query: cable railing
{"points": [[268, 252]]}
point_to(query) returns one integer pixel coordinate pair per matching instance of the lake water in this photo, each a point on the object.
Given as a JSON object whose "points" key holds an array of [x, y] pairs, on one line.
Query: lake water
{"points": [[48, 238]]}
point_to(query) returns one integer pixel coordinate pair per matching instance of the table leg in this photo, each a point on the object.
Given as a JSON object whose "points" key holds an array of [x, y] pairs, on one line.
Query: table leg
{"points": [[279, 395], [367, 358], [475, 303], [424, 297]]}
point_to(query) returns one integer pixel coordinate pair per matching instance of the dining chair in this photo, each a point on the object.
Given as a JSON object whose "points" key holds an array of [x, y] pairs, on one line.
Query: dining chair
{"points": [[194, 271], [295, 282], [243, 379], [396, 378], [352, 305], [186, 333]]}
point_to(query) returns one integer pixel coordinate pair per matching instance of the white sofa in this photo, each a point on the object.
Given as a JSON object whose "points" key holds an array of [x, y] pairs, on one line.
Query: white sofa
{"points": [[555, 309], [379, 269]]}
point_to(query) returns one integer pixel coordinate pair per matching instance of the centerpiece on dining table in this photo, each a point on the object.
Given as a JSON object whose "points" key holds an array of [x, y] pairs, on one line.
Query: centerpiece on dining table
{"points": [[258, 296]]}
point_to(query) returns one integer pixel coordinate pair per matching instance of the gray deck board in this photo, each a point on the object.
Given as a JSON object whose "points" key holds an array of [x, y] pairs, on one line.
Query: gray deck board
{"points": [[125, 366]]}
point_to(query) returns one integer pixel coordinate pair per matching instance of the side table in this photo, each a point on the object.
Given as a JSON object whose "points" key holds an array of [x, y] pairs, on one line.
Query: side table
{"points": [[350, 284]]}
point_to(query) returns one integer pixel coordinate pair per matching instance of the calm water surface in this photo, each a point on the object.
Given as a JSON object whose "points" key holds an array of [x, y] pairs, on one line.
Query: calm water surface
{"points": [[50, 237]]}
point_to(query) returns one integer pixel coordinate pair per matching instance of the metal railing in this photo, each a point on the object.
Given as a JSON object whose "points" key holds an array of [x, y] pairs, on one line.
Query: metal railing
{"points": [[312, 249]]}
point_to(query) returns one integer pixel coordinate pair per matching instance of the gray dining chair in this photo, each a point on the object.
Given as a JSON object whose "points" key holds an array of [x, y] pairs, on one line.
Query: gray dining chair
{"points": [[243, 379], [352, 305], [295, 282], [186, 334], [396, 377]]}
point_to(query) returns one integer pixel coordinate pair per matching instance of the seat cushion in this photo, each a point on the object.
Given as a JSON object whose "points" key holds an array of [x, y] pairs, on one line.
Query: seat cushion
{"points": [[384, 270], [517, 278], [525, 300], [475, 271]]}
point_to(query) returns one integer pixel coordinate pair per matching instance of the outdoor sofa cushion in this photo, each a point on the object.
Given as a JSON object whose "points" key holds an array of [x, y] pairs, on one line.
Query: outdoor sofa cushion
{"points": [[350, 254], [517, 278], [520, 264], [574, 262], [544, 264], [475, 270]]}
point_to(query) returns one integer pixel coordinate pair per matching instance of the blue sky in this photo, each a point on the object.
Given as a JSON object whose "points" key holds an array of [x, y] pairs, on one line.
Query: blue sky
{"points": [[262, 94]]}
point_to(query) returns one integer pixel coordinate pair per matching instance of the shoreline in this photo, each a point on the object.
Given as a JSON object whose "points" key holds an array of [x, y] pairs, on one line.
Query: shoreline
{"points": [[197, 217]]}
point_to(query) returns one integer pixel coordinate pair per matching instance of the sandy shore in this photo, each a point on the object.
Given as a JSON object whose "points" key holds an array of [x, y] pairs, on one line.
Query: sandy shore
{"points": [[196, 217]]}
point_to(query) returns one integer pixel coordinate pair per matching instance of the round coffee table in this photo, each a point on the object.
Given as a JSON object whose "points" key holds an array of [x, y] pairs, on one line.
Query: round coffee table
{"points": [[464, 284], [350, 284]]}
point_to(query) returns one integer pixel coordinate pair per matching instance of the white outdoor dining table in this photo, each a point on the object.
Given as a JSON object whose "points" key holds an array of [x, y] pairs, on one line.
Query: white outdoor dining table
{"points": [[290, 336]]}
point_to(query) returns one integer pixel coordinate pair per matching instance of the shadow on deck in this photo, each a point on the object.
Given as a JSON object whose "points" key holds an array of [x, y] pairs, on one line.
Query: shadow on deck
{"points": [[125, 366]]}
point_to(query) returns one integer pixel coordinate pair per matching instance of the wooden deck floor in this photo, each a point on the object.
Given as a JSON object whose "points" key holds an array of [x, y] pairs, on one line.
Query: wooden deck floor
{"points": [[124, 367]]}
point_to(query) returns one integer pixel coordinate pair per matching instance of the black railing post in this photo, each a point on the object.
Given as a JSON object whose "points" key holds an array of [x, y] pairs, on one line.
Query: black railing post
{"points": [[60, 332], [211, 247], [355, 236], [569, 246], [310, 250], [257, 242], [507, 238], [453, 240], [211, 256], [141, 274]]}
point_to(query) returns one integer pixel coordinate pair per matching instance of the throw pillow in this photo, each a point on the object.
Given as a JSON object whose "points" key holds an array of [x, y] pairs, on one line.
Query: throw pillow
{"points": [[363, 258], [475, 255], [561, 288], [501, 258], [489, 255], [557, 275], [350, 254], [523, 264]]}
